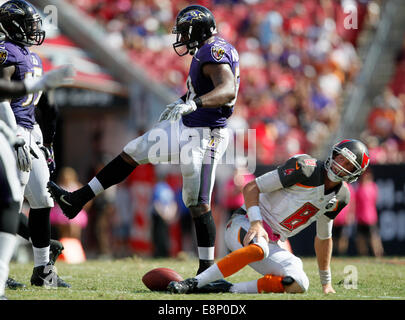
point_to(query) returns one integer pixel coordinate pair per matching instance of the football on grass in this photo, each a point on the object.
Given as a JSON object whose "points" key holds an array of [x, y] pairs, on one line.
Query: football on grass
{"points": [[158, 279]]}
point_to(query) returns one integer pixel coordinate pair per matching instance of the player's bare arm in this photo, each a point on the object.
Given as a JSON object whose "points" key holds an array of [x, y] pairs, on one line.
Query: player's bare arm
{"points": [[7, 73], [12, 89], [251, 196], [6, 113], [224, 81], [323, 250]]}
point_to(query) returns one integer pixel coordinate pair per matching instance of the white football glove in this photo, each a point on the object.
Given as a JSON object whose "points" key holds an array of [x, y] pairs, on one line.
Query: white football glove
{"points": [[51, 80], [24, 162], [168, 109], [182, 109], [24, 153]]}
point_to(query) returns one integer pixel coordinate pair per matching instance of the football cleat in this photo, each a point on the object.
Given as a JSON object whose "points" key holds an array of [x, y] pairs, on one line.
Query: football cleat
{"points": [[46, 276], [3, 298], [187, 286], [65, 200], [14, 285], [56, 248], [219, 286], [287, 281]]}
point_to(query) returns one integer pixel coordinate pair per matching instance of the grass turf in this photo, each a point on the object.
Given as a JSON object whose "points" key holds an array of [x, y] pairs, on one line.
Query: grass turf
{"points": [[377, 279]]}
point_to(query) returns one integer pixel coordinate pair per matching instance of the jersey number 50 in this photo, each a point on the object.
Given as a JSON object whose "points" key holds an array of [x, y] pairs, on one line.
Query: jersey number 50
{"points": [[300, 217]]}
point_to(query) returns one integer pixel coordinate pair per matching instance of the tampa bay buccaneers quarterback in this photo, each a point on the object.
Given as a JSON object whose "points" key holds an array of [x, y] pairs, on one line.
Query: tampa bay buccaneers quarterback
{"points": [[278, 205]]}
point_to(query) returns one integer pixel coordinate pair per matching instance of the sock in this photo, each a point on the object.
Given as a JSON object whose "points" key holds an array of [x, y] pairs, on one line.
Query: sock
{"points": [[114, 172], [206, 233], [83, 195], [7, 244], [41, 256], [270, 283], [238, 259], [209, 275], [40, 232], [23, 228], [244, 287], [40, 227], [96, 186]]}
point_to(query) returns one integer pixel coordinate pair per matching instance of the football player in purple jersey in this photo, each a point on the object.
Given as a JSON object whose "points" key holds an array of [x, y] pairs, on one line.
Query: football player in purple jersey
{"points": [[11, 222], [21, 25], [198, 118]]}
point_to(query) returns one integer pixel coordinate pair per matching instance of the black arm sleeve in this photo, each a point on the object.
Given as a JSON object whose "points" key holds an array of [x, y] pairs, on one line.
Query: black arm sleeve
{"points": [[343, 197], [184, 97], [46, 115]]}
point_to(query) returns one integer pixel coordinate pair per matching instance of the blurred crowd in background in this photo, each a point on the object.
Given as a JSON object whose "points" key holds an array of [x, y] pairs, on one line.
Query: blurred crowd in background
{"points": [[298, 62]]}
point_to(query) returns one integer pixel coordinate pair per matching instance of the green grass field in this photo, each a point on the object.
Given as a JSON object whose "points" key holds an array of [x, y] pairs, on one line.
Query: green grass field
{"points": [[378, 279]]}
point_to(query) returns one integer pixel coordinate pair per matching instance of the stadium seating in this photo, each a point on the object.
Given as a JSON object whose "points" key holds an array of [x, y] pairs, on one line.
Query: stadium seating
{"points": [[385, 131], [296, 60]]}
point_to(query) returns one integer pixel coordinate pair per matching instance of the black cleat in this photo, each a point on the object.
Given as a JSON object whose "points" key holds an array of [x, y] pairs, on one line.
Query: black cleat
{"points": [[218, 286], [3, 298], [56, 248], [65, 200], [287, 281], [14, 285], [46, 276], [187, 286]]}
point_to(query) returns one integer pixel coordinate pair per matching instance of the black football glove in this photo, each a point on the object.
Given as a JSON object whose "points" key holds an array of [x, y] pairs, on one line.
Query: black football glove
{"points": [[49, 156]]}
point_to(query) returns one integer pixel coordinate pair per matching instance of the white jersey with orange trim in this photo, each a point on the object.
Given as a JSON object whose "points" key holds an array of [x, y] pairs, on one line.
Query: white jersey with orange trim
{"points": [[293, 196]]}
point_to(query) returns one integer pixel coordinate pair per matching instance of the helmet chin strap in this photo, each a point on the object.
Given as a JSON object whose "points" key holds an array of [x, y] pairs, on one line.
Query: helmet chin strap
{"points": [[332, 177]]}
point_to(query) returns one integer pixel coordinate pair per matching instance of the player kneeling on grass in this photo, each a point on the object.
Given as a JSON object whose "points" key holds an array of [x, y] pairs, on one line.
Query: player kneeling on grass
{"points": [[278, 205]]}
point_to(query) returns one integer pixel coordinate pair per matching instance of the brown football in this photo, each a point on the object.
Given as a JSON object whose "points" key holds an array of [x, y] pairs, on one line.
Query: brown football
{"points": [[158, 279]]}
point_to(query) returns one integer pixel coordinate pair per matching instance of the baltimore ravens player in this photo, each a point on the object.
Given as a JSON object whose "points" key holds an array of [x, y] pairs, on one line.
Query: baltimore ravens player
{"points": [[194, 124], [21, 24], [10, 192], [278, 205]]}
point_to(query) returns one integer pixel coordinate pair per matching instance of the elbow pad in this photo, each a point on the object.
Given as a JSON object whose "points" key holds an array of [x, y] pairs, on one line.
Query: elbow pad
{"points": [[324, 227]]}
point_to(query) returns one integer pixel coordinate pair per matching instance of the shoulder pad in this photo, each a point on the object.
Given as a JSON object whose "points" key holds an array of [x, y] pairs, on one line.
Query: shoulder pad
{"points": [[8, 54], [3, 55], [300, 169], [306, 163], [215, 52]]}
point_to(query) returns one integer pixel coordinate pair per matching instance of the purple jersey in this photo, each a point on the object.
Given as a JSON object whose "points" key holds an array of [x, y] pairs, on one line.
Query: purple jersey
{"points": [[218, 51], [27, 64]]}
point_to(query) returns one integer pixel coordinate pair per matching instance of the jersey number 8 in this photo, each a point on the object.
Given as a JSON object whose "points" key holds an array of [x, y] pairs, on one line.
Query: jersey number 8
{"points": [[300, 217]]}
